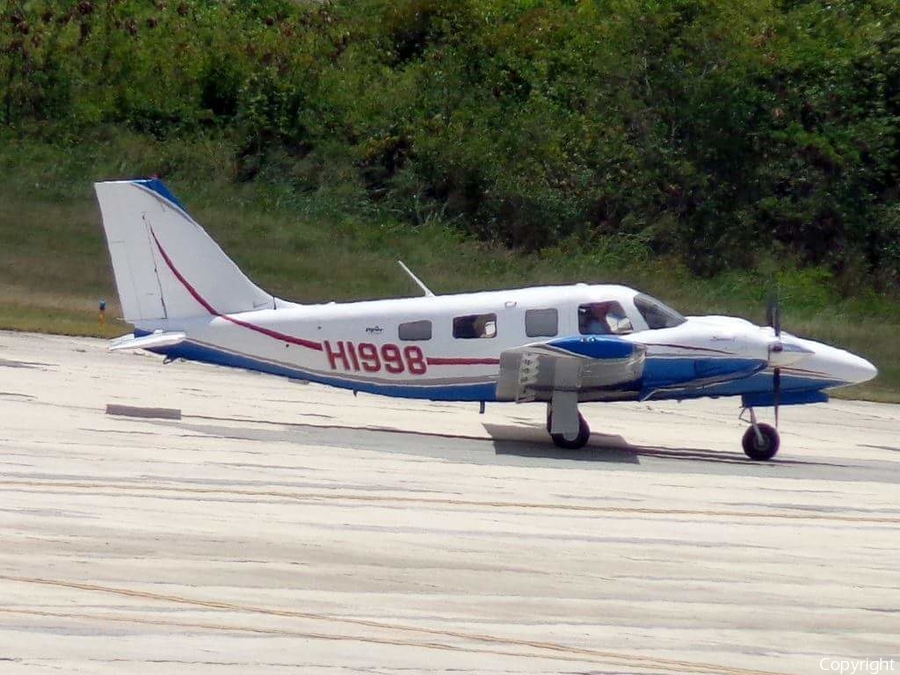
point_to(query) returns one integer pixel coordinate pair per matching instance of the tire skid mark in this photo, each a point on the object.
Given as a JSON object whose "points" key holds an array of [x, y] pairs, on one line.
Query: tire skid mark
{"points": [[300, 495], [554, 650]]}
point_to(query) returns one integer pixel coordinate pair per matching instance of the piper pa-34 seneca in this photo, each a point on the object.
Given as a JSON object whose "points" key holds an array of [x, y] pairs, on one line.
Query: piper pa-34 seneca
{"points": [[562, 345]]}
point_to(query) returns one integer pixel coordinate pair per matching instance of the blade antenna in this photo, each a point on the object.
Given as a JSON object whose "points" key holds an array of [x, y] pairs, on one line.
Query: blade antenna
{"points": [[418, 281]]}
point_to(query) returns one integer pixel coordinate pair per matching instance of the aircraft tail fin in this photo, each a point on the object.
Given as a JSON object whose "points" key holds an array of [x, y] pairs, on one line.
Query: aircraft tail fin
{"points": [[166, 266]]}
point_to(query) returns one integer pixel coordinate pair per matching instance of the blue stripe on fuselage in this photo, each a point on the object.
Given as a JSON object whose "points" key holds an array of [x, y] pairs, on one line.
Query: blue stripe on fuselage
{"points": [[759, 383], [676, 372], [456, 392], [759, 389]]}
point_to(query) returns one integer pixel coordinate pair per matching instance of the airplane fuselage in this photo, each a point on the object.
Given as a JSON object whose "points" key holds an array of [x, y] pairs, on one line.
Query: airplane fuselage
{"points": [[412, 347]]}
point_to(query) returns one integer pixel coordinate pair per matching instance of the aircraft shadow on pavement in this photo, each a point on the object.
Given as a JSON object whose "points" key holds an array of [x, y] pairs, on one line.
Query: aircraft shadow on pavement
{"points": [[507, 440], [534, 442], [513, 440]]}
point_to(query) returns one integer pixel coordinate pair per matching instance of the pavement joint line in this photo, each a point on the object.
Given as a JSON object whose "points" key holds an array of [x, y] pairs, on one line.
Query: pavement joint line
{"points": [[314, 496], [558, 651]]}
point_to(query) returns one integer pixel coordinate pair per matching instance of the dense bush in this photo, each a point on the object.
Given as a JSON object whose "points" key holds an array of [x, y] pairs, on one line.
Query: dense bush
{"points": [[717, 132]]}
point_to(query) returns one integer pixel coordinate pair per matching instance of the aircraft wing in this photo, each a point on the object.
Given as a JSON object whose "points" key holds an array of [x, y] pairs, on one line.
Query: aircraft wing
{"points": [[533, 372]]}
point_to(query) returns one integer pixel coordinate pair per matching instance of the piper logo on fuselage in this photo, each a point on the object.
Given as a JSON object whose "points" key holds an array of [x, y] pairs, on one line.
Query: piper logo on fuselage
{"points": [[368, 357]]}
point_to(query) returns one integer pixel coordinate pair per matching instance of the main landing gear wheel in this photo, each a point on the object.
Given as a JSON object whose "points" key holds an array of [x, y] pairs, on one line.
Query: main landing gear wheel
{"points": [[763, 445], [572, 441]]}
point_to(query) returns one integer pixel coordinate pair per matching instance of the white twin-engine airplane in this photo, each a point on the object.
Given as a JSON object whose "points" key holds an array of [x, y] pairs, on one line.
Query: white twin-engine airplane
{"points": [[562, 345]]}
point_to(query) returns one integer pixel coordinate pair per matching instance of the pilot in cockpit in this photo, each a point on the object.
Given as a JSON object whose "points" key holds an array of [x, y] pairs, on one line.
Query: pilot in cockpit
{"points": [[603, 318], [592, 319]]}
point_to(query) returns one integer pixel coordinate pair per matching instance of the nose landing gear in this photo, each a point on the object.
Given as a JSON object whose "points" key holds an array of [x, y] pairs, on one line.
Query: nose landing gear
{"points": [[761, 441]]}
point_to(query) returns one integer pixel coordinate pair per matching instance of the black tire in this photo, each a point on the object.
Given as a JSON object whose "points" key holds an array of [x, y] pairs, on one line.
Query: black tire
{"points": [[576, 443], [761, 452]]}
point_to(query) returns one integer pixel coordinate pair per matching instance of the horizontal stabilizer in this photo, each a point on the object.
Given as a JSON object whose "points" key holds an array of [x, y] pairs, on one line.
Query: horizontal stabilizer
{"points": [[151, 341]]}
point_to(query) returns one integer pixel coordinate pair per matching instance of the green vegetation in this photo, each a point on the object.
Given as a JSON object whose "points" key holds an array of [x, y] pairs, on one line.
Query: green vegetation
{"points": [[703, 151]]}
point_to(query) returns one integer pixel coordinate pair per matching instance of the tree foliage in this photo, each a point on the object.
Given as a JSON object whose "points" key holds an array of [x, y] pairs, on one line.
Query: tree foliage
{"points": [[715, 132]]}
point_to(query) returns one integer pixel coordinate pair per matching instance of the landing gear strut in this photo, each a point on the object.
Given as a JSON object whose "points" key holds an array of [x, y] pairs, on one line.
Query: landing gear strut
{"points": [[761, 441]]}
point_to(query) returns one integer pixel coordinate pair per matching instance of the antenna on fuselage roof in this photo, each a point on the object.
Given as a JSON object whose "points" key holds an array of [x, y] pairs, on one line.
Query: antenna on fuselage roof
{"points": [[418, 281]]}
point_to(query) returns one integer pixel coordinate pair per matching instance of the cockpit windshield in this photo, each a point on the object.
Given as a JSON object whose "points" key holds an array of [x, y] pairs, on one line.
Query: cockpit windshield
{"points": [[657, 314]]}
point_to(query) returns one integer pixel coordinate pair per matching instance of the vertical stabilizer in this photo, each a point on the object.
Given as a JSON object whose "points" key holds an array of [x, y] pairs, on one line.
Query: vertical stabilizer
{"points": [[166, 266]]}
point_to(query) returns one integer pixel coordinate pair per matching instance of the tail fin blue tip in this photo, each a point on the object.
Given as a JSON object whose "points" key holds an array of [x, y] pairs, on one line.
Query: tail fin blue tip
{"points": [[157, 186]]}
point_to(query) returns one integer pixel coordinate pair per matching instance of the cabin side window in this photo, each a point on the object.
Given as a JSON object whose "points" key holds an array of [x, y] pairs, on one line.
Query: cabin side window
{"points": [[541, 322], [415, 330], [603, 318], [475, 326]]}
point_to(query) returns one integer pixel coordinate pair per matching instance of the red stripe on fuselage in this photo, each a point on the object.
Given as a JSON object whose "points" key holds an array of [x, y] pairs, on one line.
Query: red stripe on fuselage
{"points": [[439, 361], [431, 361], [209, 308], [275, 334], [689, 347]]}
